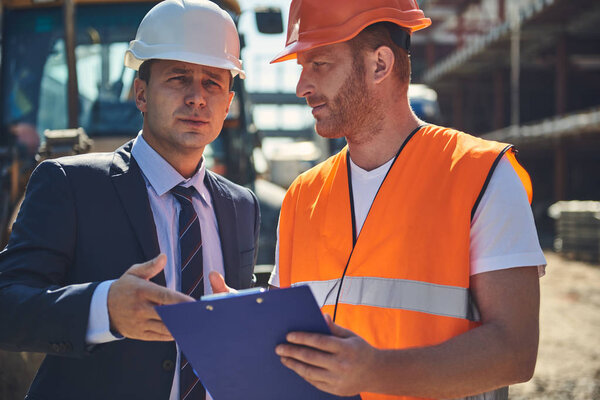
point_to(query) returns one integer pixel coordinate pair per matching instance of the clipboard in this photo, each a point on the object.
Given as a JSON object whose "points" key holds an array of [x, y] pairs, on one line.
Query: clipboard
{"points": [[230, 342]]}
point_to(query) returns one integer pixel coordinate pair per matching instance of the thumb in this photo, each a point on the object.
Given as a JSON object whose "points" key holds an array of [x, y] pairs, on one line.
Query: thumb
{"points": [[149, 269], [218, 283], [337, 330]]}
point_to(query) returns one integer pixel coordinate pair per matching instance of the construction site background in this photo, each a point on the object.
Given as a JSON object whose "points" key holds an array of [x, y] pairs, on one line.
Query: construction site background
{"points": [[526, 72]]}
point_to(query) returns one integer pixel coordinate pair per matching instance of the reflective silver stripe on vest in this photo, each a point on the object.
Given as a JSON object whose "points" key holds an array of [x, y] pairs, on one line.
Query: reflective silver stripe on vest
{"points": [[400, 294], [498, 394]]}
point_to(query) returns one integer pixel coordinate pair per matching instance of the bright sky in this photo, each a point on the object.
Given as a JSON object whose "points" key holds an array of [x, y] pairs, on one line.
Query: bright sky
{"points": [[261, 48], [264, 77]]}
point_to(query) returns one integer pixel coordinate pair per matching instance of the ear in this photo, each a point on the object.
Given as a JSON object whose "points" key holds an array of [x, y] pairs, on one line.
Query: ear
{"points": [[139, 87], [231, 96], [383, 60]]}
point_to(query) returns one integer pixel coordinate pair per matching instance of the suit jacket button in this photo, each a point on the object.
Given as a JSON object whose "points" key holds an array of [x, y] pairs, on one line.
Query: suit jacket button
{"points": [[168, 365], [55, 347]]}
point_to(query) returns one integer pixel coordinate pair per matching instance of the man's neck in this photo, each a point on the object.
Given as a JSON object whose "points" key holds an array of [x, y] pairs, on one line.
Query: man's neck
{"points": [[185, 162], [382, 146]]}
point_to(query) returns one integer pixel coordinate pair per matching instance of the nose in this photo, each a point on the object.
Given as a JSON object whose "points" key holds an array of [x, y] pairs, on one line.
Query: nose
{"points": [[195, 96], [304, 88]]}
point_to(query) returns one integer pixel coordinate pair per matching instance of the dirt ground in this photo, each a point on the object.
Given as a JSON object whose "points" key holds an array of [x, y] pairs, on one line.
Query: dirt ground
{"points": [[568, 365]]}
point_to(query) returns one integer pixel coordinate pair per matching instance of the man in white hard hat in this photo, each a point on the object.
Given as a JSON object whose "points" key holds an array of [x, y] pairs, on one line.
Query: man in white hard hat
{"points": [[102, 239]]}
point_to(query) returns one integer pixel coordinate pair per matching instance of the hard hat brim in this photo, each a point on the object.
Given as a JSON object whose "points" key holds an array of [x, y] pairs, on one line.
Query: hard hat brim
{"points": [[411, 21], [133, 60]]}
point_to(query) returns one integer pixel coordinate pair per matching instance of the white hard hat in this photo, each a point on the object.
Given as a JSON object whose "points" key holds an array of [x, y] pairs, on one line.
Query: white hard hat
{"points": [[194, 31]]}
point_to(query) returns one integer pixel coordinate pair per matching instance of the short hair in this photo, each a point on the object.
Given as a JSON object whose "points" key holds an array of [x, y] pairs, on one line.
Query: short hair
{"points": [[380, 34], [144, 72]]}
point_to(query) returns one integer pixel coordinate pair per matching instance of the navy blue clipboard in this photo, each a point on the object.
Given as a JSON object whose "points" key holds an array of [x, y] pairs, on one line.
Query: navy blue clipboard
{"points": [[230, 342]]}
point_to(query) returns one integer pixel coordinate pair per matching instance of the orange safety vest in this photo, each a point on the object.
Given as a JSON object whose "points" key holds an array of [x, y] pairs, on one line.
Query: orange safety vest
{"points": [[407, 277]]}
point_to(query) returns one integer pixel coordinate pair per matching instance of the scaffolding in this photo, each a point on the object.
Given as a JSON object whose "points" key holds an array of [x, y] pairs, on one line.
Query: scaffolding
{"points": [[524, 72]]}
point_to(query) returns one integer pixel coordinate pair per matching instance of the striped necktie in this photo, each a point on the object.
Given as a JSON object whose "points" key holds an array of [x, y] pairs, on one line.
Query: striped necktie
{"points": [[190, 248]]}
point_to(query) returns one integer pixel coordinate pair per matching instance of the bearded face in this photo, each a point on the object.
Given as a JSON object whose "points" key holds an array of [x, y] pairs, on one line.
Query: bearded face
{"points": [[352, 110]]}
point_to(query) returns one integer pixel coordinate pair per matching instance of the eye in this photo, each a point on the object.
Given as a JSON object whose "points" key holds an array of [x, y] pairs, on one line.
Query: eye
{"points": [[212, 83], [178, 78], [318, 63]]}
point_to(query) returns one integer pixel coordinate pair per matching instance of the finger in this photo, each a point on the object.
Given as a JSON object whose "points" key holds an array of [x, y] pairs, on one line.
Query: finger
{"points": [[323, 386], [149, 269], [155, 337], [318, 341], [142, 312], [322, 379], [162, 296], [156, 327], [337, 330], [217, 282], [306, 355], [308, 372]]}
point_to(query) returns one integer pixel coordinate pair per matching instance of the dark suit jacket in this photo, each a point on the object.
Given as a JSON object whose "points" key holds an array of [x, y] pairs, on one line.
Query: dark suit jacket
{"points": [[87, 219]]}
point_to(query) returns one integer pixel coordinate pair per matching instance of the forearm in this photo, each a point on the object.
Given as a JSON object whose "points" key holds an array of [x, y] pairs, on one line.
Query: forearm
{"points": [[40, 309], [49, 320], [501, 351], [480, 360]]}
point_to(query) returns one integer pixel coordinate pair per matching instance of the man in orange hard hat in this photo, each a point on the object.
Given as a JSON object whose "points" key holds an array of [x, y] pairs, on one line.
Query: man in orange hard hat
{"points": [[418, 240]]}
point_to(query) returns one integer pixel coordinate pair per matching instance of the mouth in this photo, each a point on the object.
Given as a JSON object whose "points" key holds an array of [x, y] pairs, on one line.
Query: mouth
{"points": [[195, 122], [317, 108]]}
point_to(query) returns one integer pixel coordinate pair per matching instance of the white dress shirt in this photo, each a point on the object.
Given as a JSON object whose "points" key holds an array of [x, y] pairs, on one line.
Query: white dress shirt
{"points": [[160, 177]]}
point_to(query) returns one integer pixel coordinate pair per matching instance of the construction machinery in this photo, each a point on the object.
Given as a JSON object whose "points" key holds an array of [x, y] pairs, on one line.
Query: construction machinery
{"points": [[65, 90]]}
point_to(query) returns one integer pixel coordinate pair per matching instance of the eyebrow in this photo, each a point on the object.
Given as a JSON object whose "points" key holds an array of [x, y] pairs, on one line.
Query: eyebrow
{"points": [[316, 53], [183, 70], [219, 77], [178, 70]]}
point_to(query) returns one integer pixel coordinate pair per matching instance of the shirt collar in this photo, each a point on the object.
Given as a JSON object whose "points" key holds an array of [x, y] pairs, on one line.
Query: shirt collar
{"points": [[363, 173], [160, 174]]}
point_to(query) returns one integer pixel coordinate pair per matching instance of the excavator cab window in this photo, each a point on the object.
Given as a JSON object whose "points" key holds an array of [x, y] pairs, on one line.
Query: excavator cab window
{"points": [[34, 88], [35, 80], [36, 71]]}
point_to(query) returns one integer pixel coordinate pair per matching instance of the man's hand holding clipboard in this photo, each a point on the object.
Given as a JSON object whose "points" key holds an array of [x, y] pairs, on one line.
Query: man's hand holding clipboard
{"points": [[230, 338]]}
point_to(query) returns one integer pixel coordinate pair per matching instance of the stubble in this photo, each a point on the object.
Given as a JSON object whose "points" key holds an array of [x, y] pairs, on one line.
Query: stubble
{"points": [[354, 112]]}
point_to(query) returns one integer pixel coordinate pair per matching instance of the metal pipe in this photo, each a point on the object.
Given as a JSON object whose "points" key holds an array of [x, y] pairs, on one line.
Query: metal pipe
{"points": [[560, 77], [560, 170], [72, 86], [3, 133], [498, 121], [515, 62], [501, 10]]}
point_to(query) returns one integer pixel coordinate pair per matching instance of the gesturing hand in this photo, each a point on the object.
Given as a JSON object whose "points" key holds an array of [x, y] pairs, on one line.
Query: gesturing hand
{"points": [[341, 364], [217, 283], [132, 298]]}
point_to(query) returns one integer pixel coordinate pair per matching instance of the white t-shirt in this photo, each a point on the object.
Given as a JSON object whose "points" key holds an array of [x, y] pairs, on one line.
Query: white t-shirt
{"points": [[499, 239]]}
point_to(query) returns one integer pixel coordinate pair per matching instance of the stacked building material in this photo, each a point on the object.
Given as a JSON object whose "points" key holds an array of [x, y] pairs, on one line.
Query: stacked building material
{"points": [[577, 229]]}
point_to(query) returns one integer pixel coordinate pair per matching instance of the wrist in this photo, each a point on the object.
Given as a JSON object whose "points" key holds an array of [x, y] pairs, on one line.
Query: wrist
{"points": [[99, 329], [375, 371], [110, 308], [385, 375]]}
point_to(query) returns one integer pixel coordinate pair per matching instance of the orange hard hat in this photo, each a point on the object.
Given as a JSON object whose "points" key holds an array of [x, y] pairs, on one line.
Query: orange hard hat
{"points": [[314, 23]]}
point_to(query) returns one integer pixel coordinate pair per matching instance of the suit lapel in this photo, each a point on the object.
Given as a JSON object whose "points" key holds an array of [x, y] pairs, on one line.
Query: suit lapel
{"points": [[131, 188], [226, 214]]}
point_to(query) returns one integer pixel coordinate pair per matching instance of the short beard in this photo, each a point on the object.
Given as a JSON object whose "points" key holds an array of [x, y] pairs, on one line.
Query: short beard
{"points": [[355, 112]]}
